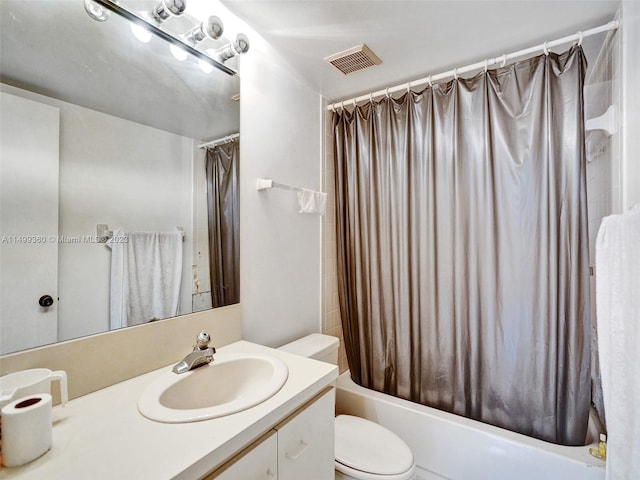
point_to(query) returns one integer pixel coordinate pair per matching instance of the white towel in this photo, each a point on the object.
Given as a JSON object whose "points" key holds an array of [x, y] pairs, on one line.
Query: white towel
{"points": [[146, 271], [311, 201], [618, 314]]}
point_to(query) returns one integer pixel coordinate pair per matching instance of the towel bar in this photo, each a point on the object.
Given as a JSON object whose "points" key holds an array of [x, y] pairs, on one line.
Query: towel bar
{"points": [[103, 234]]}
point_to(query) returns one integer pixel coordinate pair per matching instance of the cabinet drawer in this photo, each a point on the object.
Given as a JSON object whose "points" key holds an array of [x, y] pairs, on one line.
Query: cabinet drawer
{"points": [[306, 441], [257, 462]]}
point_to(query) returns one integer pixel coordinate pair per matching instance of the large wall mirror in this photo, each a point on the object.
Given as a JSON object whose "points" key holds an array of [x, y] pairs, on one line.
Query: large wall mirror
{"points": [[101, 141]]}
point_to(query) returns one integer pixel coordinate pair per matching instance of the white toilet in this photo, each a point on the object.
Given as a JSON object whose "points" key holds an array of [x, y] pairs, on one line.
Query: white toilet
{"points": [[364, 450]]}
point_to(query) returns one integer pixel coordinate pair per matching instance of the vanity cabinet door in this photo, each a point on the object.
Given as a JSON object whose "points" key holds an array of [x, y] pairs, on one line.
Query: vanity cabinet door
{"points": [[258, 462], [306, 441]]}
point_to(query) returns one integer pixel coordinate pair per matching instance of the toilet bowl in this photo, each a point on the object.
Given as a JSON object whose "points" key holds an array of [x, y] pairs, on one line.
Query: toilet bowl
{"points": [[364, 450], [368, 451]]}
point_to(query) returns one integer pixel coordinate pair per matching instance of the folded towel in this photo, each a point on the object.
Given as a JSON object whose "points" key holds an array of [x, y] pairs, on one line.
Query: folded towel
{"points": [[311, 201]]}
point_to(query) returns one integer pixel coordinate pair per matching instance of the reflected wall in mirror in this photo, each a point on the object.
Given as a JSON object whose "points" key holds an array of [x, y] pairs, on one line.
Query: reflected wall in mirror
{"points": [[103, 132]]}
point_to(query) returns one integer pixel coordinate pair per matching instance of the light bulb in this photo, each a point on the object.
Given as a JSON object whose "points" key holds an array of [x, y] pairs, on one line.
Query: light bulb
{"points": [[142, 34], [96, 11], [206, 67], [179, 54]]}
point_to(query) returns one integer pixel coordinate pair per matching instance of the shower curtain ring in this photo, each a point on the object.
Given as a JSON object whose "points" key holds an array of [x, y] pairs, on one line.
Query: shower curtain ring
{"points": [[486, 65], [580, 38], [504, 60], [386, 92], [545, 49], [430, 82], [342, 105], [408, 87], [354, 102], [455, 73], [371, 97]]}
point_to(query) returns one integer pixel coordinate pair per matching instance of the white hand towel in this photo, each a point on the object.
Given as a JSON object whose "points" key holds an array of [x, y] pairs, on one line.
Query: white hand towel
{"points": [[618, 317], [311, 201]]}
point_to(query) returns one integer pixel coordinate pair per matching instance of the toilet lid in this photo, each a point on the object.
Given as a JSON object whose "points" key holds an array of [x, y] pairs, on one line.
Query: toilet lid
{"points": [[366, 446]]}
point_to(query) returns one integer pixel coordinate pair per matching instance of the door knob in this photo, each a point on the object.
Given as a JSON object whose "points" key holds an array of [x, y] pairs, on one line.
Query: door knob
{"points": [[45, 301]]}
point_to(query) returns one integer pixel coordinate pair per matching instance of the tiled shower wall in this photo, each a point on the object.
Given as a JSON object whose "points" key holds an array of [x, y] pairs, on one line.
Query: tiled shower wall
{"points": [[331, 323], [602, 90]]}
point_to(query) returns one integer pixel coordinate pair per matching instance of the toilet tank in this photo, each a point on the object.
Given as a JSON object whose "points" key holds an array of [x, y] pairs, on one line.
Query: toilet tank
{"points": [[317, 346]]}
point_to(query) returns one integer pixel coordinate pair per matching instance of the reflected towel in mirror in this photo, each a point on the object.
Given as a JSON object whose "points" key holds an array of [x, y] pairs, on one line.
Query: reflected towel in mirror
{"points": [[146, 272]]}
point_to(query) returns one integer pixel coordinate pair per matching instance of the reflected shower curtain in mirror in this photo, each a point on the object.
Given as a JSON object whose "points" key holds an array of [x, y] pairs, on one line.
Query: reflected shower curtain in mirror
{"points": [[223, 211], [462, 246]]}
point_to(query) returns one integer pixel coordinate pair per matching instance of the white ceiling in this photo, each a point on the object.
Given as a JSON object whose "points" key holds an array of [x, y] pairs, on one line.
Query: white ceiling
{"points": [[412, 38]]}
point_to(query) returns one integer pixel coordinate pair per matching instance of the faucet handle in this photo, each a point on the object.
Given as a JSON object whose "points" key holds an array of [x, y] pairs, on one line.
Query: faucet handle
{"points": [[202, 340]]}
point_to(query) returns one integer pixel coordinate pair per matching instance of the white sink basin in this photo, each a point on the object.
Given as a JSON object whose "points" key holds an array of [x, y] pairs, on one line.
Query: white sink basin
{"points": [[230, 384]]}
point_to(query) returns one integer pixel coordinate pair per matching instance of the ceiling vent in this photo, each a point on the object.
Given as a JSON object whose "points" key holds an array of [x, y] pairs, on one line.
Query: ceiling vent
{"points": [[354, 59]]}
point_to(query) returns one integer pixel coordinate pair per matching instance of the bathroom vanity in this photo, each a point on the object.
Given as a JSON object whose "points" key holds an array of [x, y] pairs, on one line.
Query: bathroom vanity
{"points": [[102, 435], [300, 447]]}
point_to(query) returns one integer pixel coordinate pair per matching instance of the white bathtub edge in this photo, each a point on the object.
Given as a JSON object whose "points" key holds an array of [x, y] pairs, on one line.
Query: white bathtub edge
{"points": [[452, 434]]}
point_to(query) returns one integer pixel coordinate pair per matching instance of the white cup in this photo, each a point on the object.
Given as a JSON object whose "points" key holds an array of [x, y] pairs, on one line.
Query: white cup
{"points": [[29, 382]]}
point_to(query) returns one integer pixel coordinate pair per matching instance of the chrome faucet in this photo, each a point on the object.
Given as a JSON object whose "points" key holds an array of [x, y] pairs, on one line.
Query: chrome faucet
{"points": [[202, 354]]}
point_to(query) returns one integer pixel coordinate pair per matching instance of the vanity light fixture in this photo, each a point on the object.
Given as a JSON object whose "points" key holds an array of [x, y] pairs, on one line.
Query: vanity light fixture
{"points": [[181, 45]]}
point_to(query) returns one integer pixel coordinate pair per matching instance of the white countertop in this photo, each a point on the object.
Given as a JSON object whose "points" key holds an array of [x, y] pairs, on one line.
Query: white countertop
{"points": [[103, 436]]}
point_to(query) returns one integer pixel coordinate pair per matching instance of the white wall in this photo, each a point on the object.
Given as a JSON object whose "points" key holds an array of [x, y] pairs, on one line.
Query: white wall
{"points": [[630, 121], [281, 133]]}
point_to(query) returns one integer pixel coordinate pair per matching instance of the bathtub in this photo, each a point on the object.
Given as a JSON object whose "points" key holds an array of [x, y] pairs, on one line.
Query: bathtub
{"points": [[448, 446]]}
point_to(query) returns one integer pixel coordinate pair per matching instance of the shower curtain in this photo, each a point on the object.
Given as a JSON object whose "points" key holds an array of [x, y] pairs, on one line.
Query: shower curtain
{"points": [[223, 211], [462, 246]]}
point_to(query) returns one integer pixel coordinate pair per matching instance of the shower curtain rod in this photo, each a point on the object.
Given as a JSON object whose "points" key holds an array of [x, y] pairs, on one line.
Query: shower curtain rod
{"points": [[227, 139], [502, 60]]}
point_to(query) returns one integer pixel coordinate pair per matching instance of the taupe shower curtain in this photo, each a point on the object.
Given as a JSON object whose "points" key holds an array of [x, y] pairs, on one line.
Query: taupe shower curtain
{"points": [[462, 246], [223, 209]]}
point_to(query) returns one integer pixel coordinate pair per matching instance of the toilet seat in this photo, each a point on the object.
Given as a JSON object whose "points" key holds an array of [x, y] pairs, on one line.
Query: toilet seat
{"points": [[368, 451]]}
